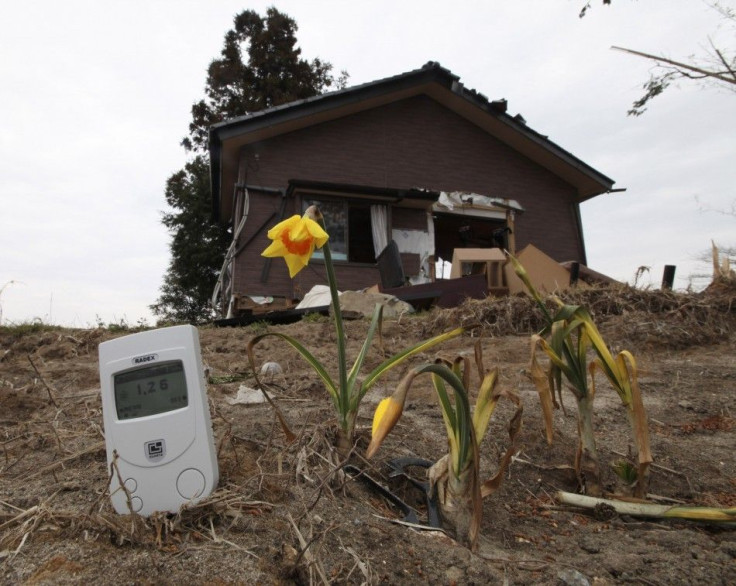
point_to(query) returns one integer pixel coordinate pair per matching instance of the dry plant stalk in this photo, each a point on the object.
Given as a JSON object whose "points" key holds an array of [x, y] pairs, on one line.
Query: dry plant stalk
{"points": [[566, 340], [456, 476], [708, 514], [722, 270], [45, 384], [314, 563]]}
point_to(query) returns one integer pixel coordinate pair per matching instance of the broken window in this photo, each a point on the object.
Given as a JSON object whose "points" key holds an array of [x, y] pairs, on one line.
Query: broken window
{"points": [[349, 225]]}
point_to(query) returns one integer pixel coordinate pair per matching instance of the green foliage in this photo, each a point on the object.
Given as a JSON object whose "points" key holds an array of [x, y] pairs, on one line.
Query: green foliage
{"points": [[271, 74], [314, 317], [258, 327], [274, 73], [652, 88], [586, 7], [197, 248], [121, 325], [714, 66], [626, 471], [226, 378], [34, 326]]}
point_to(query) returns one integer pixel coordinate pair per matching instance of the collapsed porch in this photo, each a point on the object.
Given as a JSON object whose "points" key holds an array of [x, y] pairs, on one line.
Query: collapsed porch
{"points": [[422, 229]]}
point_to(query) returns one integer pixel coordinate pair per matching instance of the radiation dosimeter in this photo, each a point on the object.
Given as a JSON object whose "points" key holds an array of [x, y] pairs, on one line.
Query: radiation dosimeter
{"points": [[158, 431]]}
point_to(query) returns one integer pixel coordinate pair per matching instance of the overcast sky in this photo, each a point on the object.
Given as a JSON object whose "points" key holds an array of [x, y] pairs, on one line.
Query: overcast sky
{"points": [[95, 97]]}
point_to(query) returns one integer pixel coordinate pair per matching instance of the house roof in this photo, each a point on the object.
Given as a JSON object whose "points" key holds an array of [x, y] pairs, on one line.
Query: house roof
{"points": [[433, 80]]}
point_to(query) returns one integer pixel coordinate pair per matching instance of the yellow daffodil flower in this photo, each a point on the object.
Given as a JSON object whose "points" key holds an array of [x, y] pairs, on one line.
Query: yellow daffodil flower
{"points": [[295, 239]]}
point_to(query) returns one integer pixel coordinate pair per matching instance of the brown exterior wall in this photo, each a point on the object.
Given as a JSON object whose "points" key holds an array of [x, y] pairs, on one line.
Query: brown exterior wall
{"points": [[249, 264], [408, 219], [411, 143]]}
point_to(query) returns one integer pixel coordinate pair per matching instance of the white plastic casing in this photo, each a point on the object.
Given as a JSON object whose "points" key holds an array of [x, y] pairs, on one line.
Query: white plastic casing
{"points": [[167, 459]]}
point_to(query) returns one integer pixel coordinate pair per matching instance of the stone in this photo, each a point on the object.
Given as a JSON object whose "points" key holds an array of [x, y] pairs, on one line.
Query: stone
{"points": [[571, 577], [454, 575], [271, 368], [360, 304]]}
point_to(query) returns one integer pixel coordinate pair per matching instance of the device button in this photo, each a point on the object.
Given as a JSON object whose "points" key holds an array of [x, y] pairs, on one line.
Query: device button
{"points": [[136, 504], [130, 484], [191, 483]]}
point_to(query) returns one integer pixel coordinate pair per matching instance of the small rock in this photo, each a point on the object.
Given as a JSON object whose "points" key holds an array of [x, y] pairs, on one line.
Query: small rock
{"points": [[355, 304], [729, 548], [620, 566], [454, 575], [289, 554], [271, 368], [246, 396], [571, 577], [590, 545], [685, 405]]}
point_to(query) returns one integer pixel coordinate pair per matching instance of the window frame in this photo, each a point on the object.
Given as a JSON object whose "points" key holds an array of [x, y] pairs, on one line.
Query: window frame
{"points": [[345, 201]]}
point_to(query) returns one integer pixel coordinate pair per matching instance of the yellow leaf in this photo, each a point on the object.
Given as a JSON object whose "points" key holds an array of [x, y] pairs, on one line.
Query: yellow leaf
{"points": [[541, 381], [485, 404]]}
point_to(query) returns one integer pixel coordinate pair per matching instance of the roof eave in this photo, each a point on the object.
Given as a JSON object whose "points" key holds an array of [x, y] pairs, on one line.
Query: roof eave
{"points": [[589, 181], [432, 80], [313, 110]]}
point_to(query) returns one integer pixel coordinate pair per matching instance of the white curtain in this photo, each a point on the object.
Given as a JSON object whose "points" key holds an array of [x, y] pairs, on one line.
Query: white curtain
{"points": [[379, 227]]}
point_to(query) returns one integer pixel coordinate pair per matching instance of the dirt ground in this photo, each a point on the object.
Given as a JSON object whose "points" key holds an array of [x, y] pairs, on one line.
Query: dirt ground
{"points": [[283, 513]]}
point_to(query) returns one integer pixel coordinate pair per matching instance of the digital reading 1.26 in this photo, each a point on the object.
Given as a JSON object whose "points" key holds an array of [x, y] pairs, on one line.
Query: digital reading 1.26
{"points": [[158, 432]]}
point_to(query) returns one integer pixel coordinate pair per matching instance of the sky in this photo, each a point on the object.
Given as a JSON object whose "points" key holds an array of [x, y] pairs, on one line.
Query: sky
{"points": [[95, 97]]}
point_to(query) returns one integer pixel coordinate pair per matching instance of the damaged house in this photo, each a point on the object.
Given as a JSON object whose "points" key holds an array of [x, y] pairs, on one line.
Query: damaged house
{"points": [[411, 167]]}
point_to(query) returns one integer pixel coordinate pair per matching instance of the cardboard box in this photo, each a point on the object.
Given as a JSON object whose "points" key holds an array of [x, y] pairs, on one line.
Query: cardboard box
{"points": [[545, 273], [488, 261]]}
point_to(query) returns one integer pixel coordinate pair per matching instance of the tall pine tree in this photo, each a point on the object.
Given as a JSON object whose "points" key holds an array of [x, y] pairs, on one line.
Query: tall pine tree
{"points": [[273, 74]]}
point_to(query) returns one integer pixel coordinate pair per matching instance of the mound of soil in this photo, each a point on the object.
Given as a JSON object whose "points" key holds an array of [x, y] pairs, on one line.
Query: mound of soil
{"points": [[286, 513]]}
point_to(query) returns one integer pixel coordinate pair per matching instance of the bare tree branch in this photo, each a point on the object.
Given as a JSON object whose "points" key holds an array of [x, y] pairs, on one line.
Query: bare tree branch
{"points": [[679, 65], [725, 63]]}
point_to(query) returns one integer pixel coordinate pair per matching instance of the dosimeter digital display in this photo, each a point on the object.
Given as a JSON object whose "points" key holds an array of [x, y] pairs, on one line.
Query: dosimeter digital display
{"points": [[150, 390], [158, 431]]}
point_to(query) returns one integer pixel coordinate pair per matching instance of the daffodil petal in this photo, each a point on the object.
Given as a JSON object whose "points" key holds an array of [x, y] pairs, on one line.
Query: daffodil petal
{"points": [[295, 263], [276, 248], [282, 226], [316, 231]]}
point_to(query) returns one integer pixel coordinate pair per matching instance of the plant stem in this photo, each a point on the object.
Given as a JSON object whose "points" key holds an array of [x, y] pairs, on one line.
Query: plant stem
{"points": [[643, 453], [343, 395], [587, 465], [462, 507]]}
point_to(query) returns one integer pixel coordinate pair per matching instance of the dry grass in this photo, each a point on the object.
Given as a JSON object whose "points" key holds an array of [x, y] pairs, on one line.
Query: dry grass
{"points": [[286, 514], [658, 318]]}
